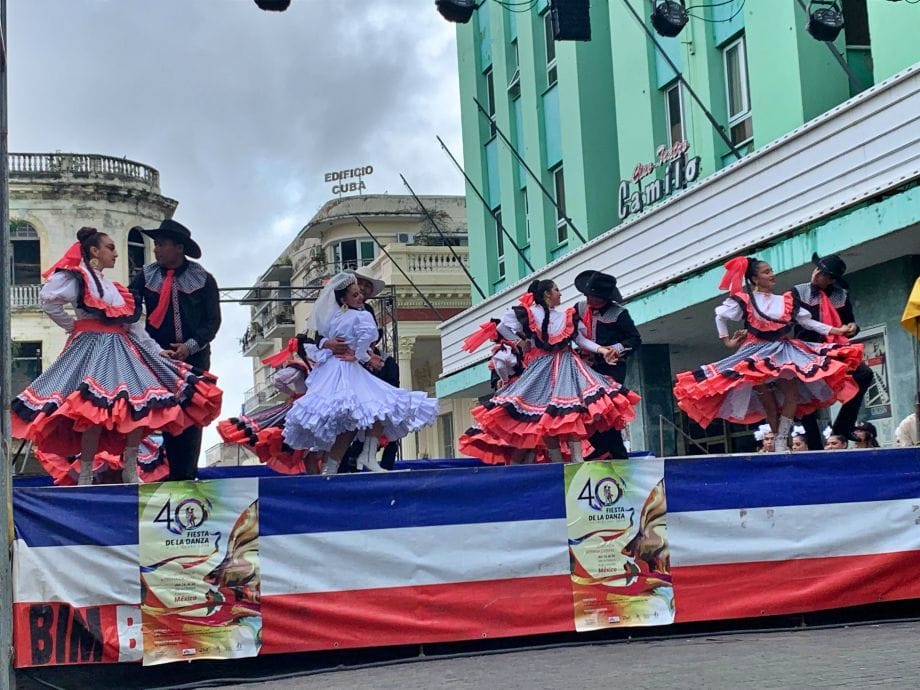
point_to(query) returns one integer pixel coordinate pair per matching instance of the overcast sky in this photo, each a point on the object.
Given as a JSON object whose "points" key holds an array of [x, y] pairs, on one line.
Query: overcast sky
{"points": [[241, 111]]}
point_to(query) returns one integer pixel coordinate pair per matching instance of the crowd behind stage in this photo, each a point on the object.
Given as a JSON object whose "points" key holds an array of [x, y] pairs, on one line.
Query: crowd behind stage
{"points": [[558, 375]]}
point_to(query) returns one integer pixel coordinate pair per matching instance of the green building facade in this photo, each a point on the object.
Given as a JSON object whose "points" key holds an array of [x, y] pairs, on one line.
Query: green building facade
{"points": [[609, 130]]}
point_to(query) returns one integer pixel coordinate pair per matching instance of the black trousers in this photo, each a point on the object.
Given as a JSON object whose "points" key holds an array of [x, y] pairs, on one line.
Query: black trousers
{"points": [[183, 450], [846, 418], [610, 441]]}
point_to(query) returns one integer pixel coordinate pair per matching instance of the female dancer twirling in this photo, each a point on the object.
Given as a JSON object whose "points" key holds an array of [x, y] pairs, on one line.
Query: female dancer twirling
{"points": [[772, 376], [262, 432], [557, 399], [112, 384], [343, 398]]}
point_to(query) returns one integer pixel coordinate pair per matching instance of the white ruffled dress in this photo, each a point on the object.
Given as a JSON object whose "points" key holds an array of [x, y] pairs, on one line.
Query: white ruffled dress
{"points": [[344, 396]]}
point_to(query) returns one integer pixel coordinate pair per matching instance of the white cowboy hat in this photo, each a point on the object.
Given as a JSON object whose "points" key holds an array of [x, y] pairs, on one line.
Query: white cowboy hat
{"points": [[376, 282]]}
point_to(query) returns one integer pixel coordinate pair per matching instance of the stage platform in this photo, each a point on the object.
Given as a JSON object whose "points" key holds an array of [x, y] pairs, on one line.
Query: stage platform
{"points": [[246, 562]]}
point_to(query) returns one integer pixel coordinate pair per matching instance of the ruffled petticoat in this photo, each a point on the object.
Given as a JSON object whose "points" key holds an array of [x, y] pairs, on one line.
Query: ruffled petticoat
{"points": [[105, 377], [343, 396], [152, 465], [558, 396], [262, 434], [725, 389]]}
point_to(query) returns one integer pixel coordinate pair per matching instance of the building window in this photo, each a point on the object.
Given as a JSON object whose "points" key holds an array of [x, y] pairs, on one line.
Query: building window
{"points": [[446, 424], [137, 252], [514, 69], [674, 109], [490, 99], [499, 243], [26, 364], [550, 44], [352, 254], [26, 254], [562, 227], [736, 92]]}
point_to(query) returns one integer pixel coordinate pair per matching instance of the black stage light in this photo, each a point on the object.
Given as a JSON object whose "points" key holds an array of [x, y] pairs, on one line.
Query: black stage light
{"points": [[273, 5], [826, 21], [669, 17], [571, 20], [458, 11]]}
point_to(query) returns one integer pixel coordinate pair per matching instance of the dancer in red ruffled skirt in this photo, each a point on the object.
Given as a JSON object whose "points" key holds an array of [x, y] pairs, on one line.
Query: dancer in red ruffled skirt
{"points": [[152, 465], [772, 376], [262, 432], [112, 384], [557, 400]]}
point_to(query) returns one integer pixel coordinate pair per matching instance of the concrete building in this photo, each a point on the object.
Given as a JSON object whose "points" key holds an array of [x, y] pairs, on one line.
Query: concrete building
{"points": [[415, 251], [52, 195], [825, 159]]}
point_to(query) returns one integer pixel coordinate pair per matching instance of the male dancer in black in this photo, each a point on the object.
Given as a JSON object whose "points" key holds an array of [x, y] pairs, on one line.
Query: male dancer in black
{"points": [[182, 303], [608, 323], [826, 298]]}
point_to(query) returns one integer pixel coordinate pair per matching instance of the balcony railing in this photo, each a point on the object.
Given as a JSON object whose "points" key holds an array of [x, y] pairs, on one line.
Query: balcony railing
{"points": [[263, 395], [435, 259], [278, 320], [254, 343], [26, 296], [81, 164]]}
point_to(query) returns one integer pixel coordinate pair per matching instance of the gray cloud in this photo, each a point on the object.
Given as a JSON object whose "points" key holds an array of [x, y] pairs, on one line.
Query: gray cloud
{"points": [[241, 111]]}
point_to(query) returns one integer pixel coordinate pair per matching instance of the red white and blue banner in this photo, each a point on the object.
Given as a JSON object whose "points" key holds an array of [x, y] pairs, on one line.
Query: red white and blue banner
{"points": [[449, 555]]}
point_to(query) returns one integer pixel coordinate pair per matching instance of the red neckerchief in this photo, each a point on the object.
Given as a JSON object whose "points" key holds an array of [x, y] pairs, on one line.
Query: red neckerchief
{"points": [[827, 314], [588, 320], [159, 314]]}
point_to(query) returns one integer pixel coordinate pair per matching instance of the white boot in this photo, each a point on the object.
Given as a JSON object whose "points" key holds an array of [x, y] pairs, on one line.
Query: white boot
{"points": [[368, 456], [575, 448], [129, 473], [781, 443], [330, 466], [86, 473]]}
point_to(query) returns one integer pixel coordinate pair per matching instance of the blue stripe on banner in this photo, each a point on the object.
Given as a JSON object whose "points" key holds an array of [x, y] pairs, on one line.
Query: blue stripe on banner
{"points": [[303, 505], [69, 516], [760, 481]]}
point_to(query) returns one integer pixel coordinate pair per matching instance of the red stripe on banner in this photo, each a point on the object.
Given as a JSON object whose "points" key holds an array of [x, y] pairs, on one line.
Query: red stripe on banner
{"points": [[769, 588], [413, 615], [49, 634]]}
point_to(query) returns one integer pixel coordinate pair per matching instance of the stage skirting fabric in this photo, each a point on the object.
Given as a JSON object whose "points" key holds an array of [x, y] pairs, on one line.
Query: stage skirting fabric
{"points": [[259, 565]]}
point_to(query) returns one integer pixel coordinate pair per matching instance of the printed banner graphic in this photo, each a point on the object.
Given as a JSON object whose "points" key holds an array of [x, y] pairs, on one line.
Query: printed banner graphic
{"points": [[199, 569], [618, 547]]}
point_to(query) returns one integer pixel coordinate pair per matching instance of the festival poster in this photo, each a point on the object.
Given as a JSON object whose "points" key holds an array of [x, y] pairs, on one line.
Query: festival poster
{"points": [[618, 547], [199, 569]]}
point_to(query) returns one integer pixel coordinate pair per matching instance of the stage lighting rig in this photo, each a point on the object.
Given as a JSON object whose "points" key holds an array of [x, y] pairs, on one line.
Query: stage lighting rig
{"points": [[458, 11], [825, 20], [669, 17], [273, 5]]}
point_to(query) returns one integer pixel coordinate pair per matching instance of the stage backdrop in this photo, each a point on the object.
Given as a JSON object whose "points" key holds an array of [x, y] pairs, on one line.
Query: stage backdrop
{"points": [[266, 565]]}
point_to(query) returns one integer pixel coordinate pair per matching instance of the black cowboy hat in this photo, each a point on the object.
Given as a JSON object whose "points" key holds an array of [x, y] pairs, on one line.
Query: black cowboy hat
{"points": [[178, 233], [597, 284], [833, 266]]}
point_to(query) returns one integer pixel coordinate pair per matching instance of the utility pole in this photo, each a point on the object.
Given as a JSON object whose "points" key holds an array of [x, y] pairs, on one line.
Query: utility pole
{"points": [[7, 678]]}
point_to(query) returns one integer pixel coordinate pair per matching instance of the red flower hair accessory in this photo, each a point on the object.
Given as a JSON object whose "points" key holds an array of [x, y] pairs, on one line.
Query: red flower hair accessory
{"points": [[733, 280]]}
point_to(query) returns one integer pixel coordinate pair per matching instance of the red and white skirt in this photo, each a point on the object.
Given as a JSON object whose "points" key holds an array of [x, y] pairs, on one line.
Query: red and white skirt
{"points": [[557, 397], [262, 433], [105, 377], [152, 465], [725, 389]]}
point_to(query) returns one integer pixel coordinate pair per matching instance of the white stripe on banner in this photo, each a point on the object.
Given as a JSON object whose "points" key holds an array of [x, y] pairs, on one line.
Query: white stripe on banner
{"points": [[746, 535], [79, 575], [372, 559]]}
